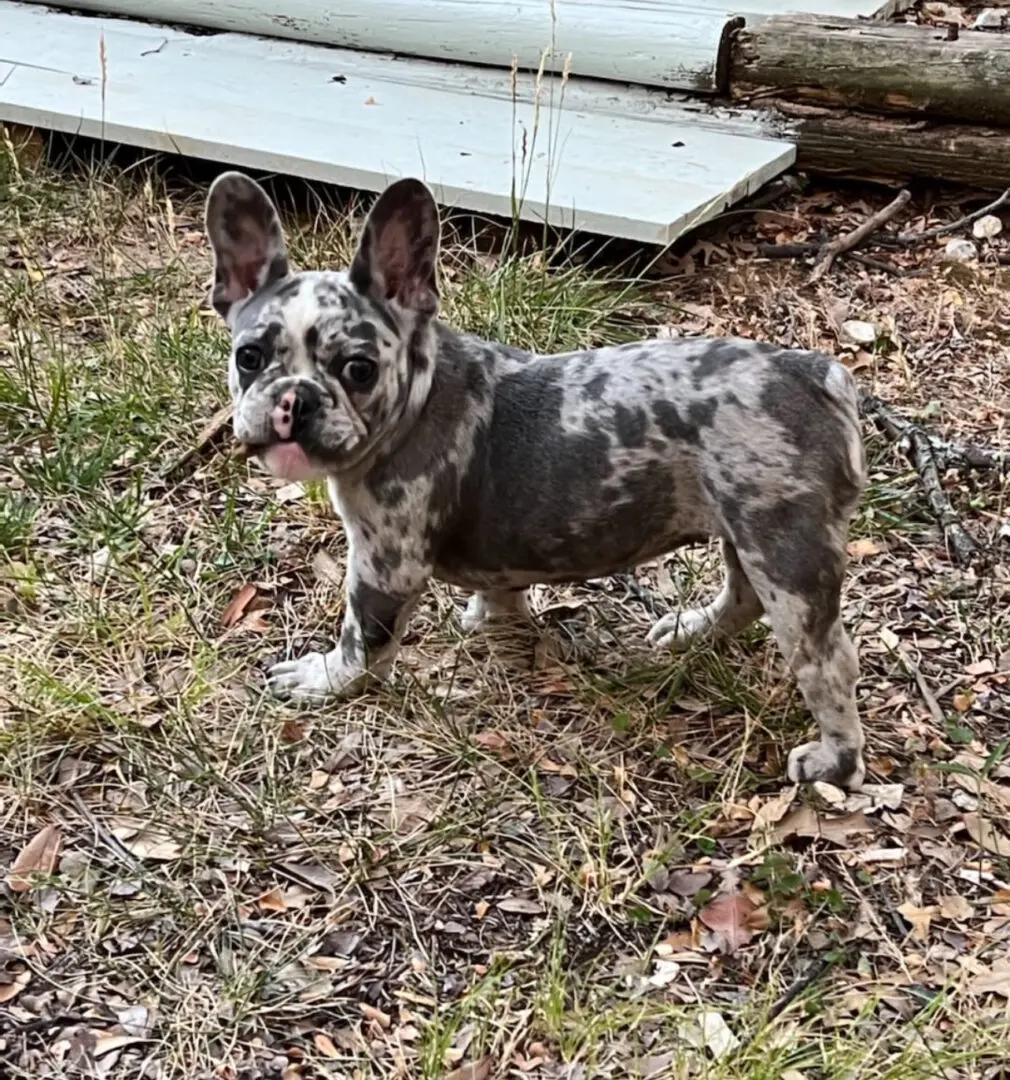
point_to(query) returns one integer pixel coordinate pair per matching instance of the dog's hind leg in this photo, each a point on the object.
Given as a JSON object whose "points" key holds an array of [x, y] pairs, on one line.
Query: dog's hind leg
{"points": [[736, 607], [805, 618], [494, 604]]}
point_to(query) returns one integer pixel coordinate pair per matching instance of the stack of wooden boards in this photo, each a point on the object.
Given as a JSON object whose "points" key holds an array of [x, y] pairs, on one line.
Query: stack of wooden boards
{"points": [[632, 118]]}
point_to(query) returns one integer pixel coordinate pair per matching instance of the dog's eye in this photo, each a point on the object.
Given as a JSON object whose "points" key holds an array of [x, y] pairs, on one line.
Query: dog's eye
{"points": [[250, 359], [359, 374]]}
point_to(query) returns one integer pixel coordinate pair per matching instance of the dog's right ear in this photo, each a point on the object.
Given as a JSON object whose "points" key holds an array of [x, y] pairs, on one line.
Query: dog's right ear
{"points": [[246, 236]]}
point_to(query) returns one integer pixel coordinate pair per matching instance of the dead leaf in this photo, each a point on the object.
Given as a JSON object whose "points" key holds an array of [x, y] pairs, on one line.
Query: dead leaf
{"points": [[481, 908], [774, 810], [731, 918], [863, 548], [324, 1044], [517, 905], [237, 608], [327, 569], [38, 856], [963, 702], [370, 1012], [981, 667], [920, 918], [292, 731], [985, 834], [718, 1037], [955, 907], [151, 844], [804, 821], [9, 991], [688, 883], [477, 1070], [272, 901], [996, 981], [491, 740], [106, 1043]]}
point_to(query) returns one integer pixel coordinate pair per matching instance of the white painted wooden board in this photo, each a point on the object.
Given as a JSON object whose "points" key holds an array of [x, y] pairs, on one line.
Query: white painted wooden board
{"points": [[671, 43], [361, 120]]}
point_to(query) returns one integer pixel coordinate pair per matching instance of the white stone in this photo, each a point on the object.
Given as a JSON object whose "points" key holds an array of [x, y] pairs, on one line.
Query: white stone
{"points": [[959, 250], [859, 332], [987, 227]]}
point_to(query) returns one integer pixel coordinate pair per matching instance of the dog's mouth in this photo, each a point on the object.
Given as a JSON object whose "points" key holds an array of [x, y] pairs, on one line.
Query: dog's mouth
{"points": [[285, 459]]}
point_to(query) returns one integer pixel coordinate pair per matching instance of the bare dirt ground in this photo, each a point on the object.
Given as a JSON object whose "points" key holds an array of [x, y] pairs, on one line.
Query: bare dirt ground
{"points": [[547, 855]]}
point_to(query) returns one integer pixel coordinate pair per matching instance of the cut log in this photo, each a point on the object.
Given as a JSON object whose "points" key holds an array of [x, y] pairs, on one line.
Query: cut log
{"points": [[847, 144], [894, 70]]}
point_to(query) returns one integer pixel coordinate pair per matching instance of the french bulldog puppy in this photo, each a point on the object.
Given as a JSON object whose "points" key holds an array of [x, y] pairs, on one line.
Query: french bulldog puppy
{"points": [[493, 469]]}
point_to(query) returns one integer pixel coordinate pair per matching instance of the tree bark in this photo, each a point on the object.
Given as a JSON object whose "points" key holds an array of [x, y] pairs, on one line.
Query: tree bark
{"points": [[843, 143], [900, 70]]}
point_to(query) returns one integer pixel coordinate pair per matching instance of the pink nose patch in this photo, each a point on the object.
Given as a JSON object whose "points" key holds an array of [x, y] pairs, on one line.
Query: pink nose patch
{"points": [[283, 415]]}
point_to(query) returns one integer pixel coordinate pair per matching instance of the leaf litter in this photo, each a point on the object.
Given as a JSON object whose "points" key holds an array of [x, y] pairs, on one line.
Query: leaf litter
{"points": [[475, 866]]}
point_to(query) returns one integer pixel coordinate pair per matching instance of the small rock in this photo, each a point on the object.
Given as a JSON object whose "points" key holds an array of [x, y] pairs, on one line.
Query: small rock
{"points": [[987, 227], [991, 19], [958, 250], [859, 332]]}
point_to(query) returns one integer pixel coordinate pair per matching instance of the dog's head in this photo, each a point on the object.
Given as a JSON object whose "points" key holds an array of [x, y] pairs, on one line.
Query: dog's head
{"points": [[324, 364]]}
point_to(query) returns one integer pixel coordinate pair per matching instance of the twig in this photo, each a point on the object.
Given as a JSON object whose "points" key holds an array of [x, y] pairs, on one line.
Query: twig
{"points": [[907, 239], [949, 454], [213, 432], [917, 447], [852, 239]]}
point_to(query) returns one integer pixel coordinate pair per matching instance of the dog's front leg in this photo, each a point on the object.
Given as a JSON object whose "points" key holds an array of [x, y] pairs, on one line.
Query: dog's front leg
{"points": [[374, 622]]}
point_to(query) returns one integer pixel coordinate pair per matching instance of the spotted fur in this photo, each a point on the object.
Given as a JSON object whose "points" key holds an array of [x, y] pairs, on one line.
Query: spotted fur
{"points": [[493, 469]]}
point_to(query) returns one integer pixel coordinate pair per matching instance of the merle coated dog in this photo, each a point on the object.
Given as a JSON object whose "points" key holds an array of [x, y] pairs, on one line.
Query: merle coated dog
{"points": [[493, 469]]}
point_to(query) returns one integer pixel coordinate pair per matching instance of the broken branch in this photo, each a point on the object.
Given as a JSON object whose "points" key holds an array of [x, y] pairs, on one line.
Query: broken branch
{"points": [[918, 448], [852, 239], [907, 239]]}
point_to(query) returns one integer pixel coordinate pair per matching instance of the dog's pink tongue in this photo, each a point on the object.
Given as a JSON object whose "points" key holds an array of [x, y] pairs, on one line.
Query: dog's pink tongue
{"points": [[288, 461]]}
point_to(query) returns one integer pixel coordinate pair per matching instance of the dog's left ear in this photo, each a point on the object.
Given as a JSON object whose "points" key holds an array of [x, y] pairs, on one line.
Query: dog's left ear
{"points": [[246, 237], [399, 249]]}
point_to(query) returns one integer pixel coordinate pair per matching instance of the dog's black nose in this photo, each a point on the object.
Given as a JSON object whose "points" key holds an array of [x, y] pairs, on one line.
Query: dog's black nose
{"points": [[295, 409], [306, 404]]}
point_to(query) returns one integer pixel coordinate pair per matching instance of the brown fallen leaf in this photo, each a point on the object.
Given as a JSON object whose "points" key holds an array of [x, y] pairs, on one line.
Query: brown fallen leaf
{"points": [[38, 856], [517, 905], [237, 608], [150, 844], [920, 918], [327, 569], [370, 1012], [955, 907], [491, 740], [986, 835], [774, 810], [272, 901], [804, 821], [9, 991], [324, 1044], [863, 548], [476, 1070], [734, 918], [995, 981]]}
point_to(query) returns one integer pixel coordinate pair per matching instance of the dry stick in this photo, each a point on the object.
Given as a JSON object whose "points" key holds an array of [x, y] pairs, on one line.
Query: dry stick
{"points": [[918, 449], [852, 239], [949, 454], [907, 239]]}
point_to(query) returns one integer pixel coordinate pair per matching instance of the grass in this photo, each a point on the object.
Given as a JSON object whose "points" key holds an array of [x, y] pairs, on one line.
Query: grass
{"points": [[475, 866]]}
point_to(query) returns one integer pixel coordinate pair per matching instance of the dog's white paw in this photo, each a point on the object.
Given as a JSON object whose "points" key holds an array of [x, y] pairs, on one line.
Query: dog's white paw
{"points": [[312, 678], [679, 628], [841, 766]]}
